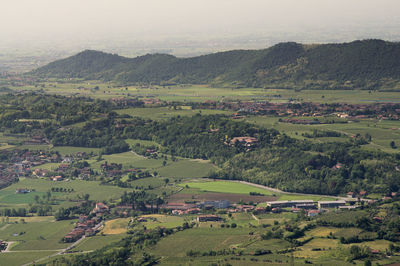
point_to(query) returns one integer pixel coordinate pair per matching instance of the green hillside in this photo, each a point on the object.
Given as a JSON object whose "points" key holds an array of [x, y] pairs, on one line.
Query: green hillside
{"points": [[368, 64]]}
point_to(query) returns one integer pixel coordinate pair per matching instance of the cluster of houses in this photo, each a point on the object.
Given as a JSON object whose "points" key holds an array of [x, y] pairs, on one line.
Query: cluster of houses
{"points": [[248, 142], [343, 110], [37, 140], [309, 206], [86, 226], [20, 163], [113, 169]]}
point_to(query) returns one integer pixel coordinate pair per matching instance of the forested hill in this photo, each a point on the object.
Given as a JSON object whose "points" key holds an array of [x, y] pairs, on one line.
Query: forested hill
{"points": [[364, 64]]}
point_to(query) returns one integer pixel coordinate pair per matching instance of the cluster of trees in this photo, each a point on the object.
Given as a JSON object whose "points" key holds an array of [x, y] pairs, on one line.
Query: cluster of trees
{"points": [[72, 212], [205, 137], [141, 200], [322, 133], [336, 169], [276, 160], [20, 212]]}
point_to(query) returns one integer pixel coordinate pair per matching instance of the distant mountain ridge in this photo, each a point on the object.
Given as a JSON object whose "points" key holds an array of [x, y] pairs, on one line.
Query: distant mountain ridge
{"points": [[367, 64]]}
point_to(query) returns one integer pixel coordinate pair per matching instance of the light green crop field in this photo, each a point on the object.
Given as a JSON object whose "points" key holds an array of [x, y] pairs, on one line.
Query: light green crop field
{"points": [[159, 113], [226, 187], [19, 258], [8, 196], [46, 235]]}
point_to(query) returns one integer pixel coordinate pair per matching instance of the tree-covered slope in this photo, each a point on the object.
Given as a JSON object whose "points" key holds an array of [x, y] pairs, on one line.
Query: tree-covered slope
{"points": [[359, 64]]}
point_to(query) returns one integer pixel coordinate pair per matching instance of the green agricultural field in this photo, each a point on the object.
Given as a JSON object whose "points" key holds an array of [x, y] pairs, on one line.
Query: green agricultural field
{"points": [[116, 226], [47, 166], [8, 196], [148, 181], [239, 188], [322, 243], [146, 143], [45, 235], [182, 168], [5, 146], [186, 168], [303, 196], [201, 239], [167, 221], [93, 188], [343, 216], [97, 242], [64, 150], [129, 160], [19, 258], [226, 187]]}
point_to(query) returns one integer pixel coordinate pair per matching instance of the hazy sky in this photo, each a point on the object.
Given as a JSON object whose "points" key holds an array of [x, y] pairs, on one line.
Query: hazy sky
{"points": [[90, 20]]}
